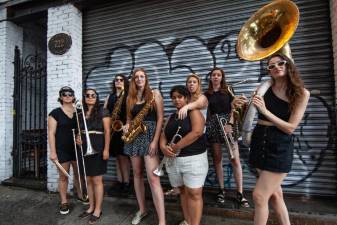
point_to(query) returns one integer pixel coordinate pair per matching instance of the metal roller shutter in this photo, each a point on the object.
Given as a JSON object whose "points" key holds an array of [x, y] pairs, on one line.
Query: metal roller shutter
{"points": [[171, 39]]}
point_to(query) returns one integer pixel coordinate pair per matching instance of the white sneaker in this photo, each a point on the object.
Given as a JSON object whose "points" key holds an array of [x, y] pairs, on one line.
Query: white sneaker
{"points": [[138, 217], [183, 222]]}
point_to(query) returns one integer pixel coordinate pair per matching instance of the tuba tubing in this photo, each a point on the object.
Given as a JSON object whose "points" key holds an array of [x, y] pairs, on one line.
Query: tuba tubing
{"points": [[247, 126]]}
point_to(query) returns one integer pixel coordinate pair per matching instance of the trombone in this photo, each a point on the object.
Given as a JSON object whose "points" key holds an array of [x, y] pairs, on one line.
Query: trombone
{"points": [[230, 142], [159, 171], [90, 149]]}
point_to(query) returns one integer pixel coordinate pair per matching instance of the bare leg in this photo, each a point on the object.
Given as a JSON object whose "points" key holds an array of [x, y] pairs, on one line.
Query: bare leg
{"points": [[91, 195], [63, 183], [118, 169], [79, 192], [124, 165], [151, 163], [266, 185], [279, 206], [237, 169], [195, 204], [138, 181], [98, 192], [184, 206], [217, 161]]}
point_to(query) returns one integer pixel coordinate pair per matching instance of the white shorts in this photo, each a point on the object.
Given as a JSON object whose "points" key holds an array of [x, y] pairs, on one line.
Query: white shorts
{"points": [[189, 171]]}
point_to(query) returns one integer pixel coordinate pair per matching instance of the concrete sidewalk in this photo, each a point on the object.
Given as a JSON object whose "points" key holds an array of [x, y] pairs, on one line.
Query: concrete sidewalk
{"points": [[20, 206]]}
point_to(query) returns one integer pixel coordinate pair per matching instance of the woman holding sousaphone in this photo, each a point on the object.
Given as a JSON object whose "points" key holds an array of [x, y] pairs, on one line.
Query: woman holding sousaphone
{"points": [[95, 137], [183, 142], [61, 121]]}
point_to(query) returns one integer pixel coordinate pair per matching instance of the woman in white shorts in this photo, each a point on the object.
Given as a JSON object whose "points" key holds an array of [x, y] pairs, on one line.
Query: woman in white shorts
{"points": [[188, 164]]}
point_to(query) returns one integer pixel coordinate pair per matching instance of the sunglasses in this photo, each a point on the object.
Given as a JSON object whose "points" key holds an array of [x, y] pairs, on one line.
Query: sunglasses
{"points": [[67, 94], [119, 79], [90, 95], [278, 64]]}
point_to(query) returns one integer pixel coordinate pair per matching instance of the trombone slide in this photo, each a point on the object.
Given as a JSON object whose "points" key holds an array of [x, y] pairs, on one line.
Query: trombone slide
{"points": [[227, 136]]}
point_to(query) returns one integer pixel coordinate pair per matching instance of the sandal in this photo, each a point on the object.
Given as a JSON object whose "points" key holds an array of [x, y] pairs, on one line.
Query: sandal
{"points": [[172, 192], [84, 214], [93, 219], [220, 197], [242, 200]]}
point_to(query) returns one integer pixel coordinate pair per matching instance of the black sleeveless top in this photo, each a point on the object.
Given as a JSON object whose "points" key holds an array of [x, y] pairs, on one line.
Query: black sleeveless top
{"points": [[197, 147], [150, 116], [219, 102], [276, 106], [111, 103]]}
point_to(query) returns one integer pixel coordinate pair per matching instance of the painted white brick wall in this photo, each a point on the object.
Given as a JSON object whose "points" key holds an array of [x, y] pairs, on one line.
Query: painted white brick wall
{"points": [[63, 69], [10, 36], [333, 17]]}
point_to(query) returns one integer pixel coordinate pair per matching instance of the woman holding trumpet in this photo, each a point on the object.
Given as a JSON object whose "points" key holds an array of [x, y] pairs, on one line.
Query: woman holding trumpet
{"points": [[61, 121], [220, 108], [116, 104], [188, 165], [98, 128], [271, 151]]}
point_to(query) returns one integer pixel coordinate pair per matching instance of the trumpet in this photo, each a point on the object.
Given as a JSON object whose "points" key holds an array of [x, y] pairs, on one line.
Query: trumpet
{"points": [[90, 149], [159, 171], [230, 142]]}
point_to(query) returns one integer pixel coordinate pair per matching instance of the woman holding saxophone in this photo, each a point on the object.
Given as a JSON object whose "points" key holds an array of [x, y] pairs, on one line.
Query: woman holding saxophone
{"points": [[188, 164], [116, 104], [141, 134], [98, 128], [220, 108], [61, 121], [271, 151]]}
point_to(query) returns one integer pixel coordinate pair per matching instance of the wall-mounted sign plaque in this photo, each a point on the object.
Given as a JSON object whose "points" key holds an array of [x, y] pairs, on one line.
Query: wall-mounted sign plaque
{"points": [[59, 43]]}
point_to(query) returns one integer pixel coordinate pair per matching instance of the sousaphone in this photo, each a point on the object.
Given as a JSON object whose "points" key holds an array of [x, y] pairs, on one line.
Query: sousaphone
{"points": [[265, 33]]}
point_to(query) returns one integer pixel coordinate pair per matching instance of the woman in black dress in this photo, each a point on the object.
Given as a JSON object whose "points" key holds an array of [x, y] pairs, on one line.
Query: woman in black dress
{"points": [[61, 121], [271, 151], [220, 104], [98, 124], [116, 102]]}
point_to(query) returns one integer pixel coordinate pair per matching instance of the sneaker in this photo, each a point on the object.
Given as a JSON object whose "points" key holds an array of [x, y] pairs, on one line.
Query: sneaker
{"points": [[84, 201], [183, 222], [220, 197], [116, 189], [64, 209], [138, 217], [126, 188]]}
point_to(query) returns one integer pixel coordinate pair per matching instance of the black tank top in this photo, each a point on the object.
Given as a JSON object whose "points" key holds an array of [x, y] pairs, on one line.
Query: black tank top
{"points": [[150, 116], [197, 147], [111, 103], [276, 106], [219, 102]]}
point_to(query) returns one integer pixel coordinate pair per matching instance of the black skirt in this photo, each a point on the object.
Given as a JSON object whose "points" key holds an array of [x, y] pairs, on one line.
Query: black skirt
{"points": [[94, 164], [117, 144], [271, 149]]}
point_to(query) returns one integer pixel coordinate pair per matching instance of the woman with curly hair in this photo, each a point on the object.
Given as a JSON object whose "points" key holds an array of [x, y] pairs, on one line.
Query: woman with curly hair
{"points": [[271, 152]]}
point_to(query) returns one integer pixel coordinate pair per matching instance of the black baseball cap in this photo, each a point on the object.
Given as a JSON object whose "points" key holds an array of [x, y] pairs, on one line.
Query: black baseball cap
{"points": [[66, 89]]}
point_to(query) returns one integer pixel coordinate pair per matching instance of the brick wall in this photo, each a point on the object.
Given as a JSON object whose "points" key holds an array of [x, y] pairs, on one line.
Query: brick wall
{"points": [[10, 36], [333, 16], [63, 69]]}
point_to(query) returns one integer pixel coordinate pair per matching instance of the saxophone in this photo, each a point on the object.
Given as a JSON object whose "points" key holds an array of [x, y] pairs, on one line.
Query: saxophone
{"points": [[136, 125], [116, 124]]}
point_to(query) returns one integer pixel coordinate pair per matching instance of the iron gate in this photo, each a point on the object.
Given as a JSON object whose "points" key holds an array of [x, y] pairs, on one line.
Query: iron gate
{"points": [[30, 113]]}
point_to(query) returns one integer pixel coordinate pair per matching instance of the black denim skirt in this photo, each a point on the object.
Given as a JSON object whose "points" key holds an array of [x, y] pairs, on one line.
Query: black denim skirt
{"points": [[271, 149]]}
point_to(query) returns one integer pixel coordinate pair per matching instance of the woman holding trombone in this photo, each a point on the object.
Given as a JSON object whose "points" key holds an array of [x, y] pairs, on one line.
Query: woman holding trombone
{"points": [[60, 123], [97, 126]]}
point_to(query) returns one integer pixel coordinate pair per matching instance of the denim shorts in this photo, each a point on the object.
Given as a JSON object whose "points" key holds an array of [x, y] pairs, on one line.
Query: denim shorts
{"points": [[189, 171], [271, 149]]}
